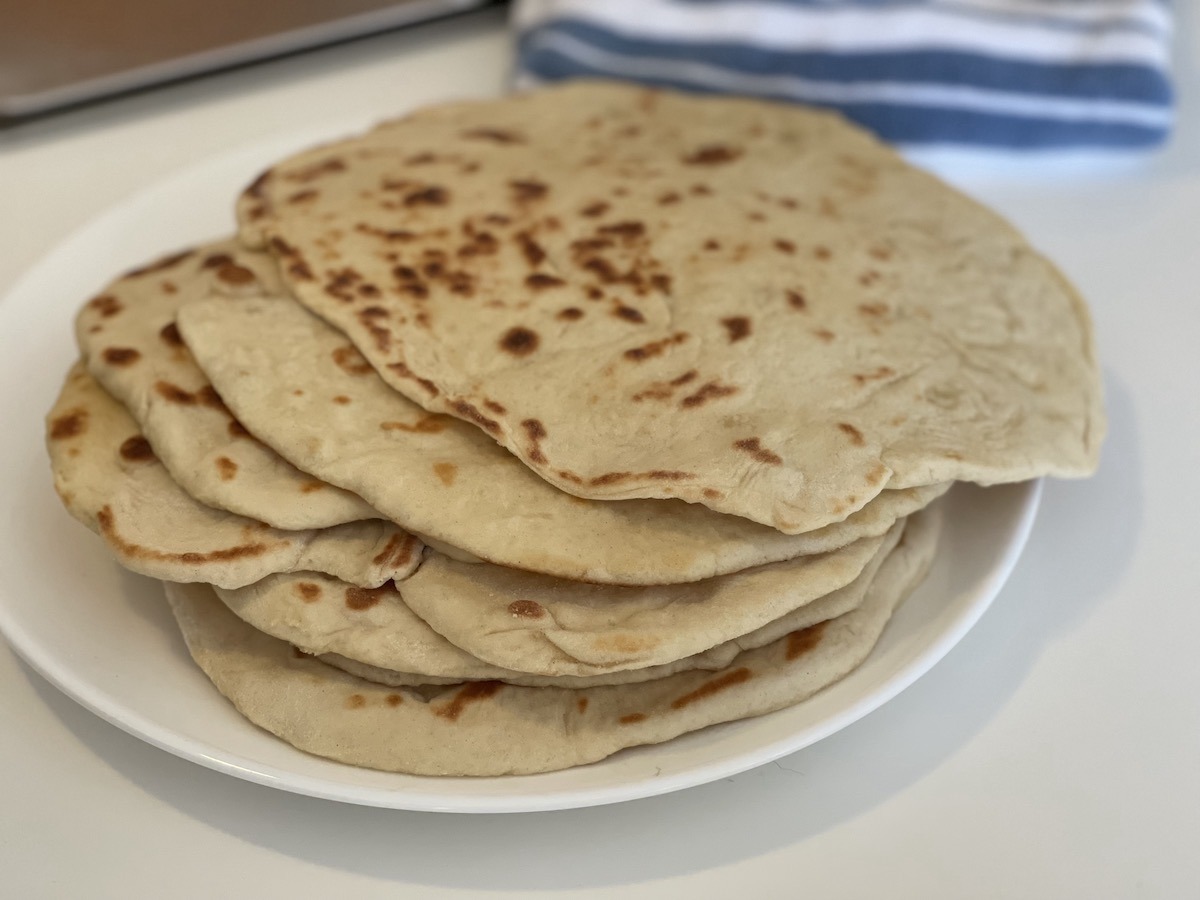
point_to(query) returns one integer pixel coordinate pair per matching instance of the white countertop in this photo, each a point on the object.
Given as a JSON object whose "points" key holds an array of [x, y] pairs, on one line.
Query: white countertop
{"points": [[1054, 753]]}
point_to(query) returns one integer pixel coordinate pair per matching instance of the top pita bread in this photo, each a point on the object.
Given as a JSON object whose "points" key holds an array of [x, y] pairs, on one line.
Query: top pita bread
{"points": [[642, 294]]}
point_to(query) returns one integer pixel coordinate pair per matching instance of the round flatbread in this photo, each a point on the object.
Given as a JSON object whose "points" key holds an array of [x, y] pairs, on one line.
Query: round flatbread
{"points": [[755, 307]]}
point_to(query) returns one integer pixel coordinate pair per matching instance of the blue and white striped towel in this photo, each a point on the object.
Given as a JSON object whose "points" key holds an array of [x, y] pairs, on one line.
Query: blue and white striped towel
{"points": [[1001, 73]]}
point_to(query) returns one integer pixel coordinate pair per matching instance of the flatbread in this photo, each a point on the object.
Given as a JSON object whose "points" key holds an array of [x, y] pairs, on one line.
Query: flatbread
{"points": [[487, 728], [377, 636], [755, 307], [131, 346], [109, 479], [301, 386], [550, 626]]}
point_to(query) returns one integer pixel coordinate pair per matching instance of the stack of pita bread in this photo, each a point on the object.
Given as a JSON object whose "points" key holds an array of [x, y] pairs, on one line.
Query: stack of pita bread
{"points": [[514, 433]]}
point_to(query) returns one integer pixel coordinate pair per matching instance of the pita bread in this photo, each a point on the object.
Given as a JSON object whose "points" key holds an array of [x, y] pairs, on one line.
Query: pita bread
{"points": [[109, 479], [755, 307], [131, 346], [549, 626], [377, 636], [302, 387], [487, 728]]}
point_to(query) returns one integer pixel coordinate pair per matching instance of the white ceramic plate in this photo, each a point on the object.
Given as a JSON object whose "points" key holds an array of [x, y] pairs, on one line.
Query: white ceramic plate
{"points": [[106, 638]]}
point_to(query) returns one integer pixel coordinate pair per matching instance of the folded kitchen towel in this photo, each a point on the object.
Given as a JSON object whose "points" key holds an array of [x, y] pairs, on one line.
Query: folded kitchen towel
{"points": [[1034, 74]]}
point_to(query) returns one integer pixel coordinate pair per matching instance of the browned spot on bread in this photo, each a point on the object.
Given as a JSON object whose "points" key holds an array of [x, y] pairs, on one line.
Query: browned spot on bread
{"points": [[526, 609], [446, 472], [170, 335], [495, 135], [669, 198], [712, 244], [120, 356], [398, 550], [874, 375], [756, 216], [433, 195], [804, 640], [755, 449], [208, 396], [226, 468], [405, 372], [350, 361], [664, 390], [471, 414], [869, 277], [359, 598], [593, 210], [311, 487], [466, 695], [356, 701], [107, 305], [493, 406], [581, 704], [540, 281], [736, 328], [308, 591], [785, 246], [874, 310], [394, 699], [216, 261], [534, 428], [174, 393], [951, 454], [655, 348], [880, 253], [856, 436], [569, 314], [796, 300], [424, 425], [628, 313], [712, 155], [304, 196], [711, 494], [235, 274], [136, 449], [625, 230], [519, 341], [161, 265], [531, 249], [568, 475], [708, 689], [237, 429], [632, 718], [661, 283], [709, 391], [105, 519], [822, 252], [318, 169], [877, 474], [526, 191], [536, 431], [341, 400], [824, 334], [656, 475]]}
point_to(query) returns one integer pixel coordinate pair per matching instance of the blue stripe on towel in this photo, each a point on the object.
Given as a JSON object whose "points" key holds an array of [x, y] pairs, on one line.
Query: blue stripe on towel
{"points": [[914, 123], [1109, 81]]}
